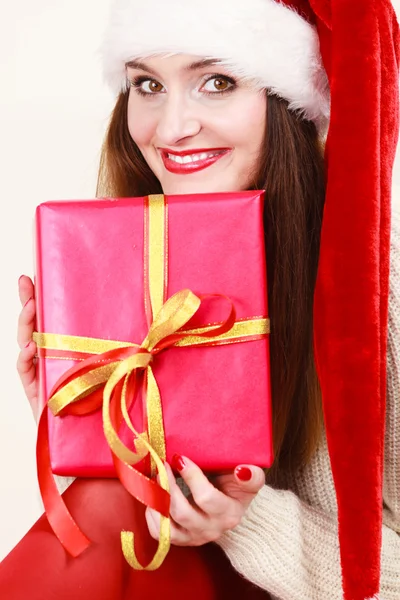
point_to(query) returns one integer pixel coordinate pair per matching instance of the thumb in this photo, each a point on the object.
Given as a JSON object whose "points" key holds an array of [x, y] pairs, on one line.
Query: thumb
{"points": [[250, 479], [243, 484]]}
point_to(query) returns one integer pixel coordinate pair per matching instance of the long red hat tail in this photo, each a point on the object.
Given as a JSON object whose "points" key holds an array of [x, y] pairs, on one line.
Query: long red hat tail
{"points": [[360, 49]]}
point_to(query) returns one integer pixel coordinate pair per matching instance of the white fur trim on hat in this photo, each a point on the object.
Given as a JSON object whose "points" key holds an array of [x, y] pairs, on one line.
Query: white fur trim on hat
{"points": [[262, 40]]}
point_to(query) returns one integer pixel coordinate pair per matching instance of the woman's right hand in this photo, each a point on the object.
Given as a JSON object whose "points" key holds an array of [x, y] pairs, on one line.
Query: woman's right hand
{"points": [[26, 323]]}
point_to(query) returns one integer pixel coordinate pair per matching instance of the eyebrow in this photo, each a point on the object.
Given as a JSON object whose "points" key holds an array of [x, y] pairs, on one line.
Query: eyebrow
{"points": [[194, 66]]}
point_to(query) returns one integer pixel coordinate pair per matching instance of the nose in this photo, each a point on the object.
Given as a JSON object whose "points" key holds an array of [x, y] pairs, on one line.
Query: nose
{"points": [[178, 120]]}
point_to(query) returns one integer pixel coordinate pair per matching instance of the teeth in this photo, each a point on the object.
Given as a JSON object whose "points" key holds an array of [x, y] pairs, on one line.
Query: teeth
{"points": [[189, 158]]}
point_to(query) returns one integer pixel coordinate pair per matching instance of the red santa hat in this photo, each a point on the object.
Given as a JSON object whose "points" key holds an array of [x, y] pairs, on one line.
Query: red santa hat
{"points": [[336, 63]]}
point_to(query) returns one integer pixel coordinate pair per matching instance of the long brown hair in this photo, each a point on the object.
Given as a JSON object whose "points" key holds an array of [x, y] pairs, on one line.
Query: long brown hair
{"points": [[291, 170]]}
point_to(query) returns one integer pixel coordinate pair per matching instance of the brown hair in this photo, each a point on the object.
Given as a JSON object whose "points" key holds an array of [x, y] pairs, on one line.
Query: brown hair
{"points": [[292, 173]]}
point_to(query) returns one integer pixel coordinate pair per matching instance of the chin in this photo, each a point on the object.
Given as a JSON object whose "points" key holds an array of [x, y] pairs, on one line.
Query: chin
{"points": [[199, 187]]}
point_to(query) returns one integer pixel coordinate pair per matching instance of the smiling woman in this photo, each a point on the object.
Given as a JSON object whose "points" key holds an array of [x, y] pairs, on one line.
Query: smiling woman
{"points": [[245, 107], [268, 147], [253, 156]]}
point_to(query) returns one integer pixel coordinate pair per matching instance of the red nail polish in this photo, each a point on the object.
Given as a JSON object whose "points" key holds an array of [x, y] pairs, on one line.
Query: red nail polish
{"points": [[243, 473], [29, 299], [177, 463], [20, 277]]}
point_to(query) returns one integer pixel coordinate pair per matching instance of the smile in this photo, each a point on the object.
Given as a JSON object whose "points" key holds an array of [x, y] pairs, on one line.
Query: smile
{"points": [[190, 161]]}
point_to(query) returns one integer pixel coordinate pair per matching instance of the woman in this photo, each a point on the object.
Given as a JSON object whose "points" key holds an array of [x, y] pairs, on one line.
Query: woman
{"points": [[227, 113]]}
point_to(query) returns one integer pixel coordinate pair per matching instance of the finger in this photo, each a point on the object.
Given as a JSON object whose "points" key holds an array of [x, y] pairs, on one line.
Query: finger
{"points": [[210, 500], [183, 513], [27, 372], [26, 288], [242, 485], [179, 536], [26, 322], [250, 478]]}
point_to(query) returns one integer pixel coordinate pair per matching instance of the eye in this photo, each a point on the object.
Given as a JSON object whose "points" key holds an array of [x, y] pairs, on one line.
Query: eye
{"points": [[146, 86], [218, 84], [151, 86]]}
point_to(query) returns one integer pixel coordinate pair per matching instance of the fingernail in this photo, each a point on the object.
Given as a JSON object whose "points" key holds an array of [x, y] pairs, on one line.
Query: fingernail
{"points": [[177, 463], [20, 277], [29, 299], [243, 473]]}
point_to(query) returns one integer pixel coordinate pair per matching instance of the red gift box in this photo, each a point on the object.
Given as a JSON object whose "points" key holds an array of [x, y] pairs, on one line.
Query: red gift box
{"points": [[102, 265]]}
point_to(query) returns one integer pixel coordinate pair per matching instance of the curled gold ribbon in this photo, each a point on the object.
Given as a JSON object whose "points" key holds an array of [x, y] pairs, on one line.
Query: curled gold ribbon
{"points": [[175, 313]]}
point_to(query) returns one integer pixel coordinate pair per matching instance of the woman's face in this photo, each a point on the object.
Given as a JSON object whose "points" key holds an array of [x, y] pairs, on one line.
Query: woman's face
{"points": [[199, 128]]}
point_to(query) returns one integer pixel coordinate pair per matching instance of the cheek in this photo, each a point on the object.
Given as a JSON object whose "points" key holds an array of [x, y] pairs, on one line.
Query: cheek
{"points": [[140, 128], [250, 121]]}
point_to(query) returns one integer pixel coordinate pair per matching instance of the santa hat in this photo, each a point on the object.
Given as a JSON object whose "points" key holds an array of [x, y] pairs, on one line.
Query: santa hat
{"points": [[336, 63]]}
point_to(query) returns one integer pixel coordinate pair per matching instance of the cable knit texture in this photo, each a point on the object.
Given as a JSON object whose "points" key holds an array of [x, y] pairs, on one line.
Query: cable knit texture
{"points": [[287, 542]]}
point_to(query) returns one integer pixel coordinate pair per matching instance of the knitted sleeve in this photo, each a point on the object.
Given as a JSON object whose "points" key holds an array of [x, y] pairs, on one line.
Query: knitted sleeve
{"points": [[287, 542]]}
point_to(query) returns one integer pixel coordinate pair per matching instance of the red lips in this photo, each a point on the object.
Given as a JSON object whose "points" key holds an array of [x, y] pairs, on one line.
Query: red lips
{"points": [[191, 167]]}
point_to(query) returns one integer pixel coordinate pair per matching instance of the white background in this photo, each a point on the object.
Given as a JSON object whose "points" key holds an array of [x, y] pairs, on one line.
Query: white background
{"points": [[54, 109]]}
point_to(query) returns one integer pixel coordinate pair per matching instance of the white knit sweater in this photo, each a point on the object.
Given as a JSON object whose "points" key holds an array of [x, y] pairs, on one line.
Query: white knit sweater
{"points": [[287, 543]]}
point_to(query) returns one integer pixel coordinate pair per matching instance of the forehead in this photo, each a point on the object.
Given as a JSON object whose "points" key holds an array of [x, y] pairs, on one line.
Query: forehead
{"points": [[183, 63]]}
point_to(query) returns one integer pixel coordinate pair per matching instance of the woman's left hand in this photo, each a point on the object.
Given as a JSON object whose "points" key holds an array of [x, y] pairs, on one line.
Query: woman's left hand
{"points": [[211, 509]]}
